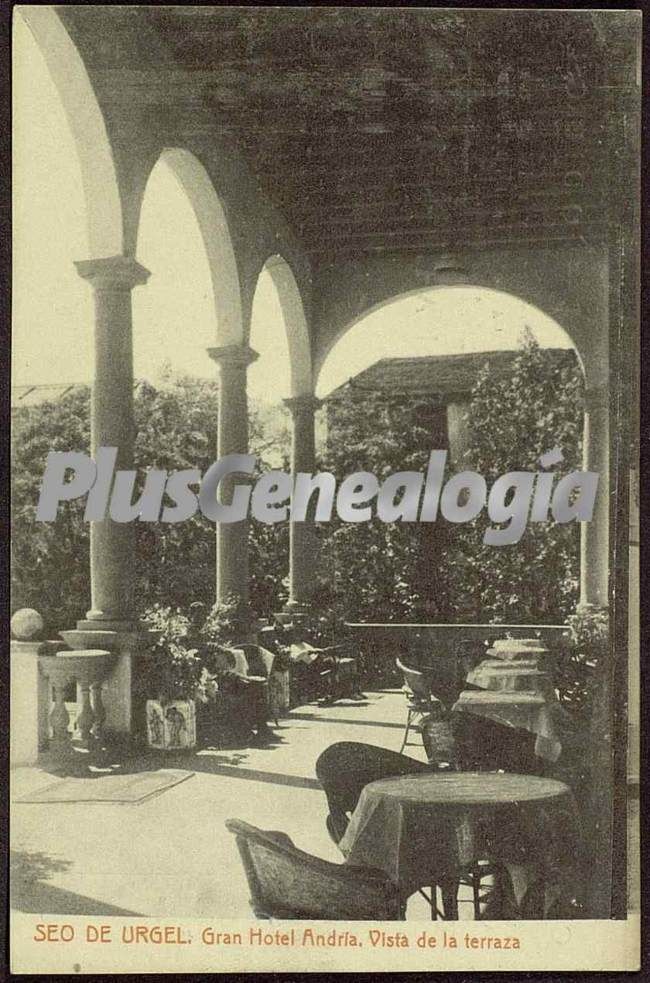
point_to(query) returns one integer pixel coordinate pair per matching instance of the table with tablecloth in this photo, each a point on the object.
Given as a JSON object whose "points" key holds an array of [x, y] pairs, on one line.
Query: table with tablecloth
{"points": [[530, 711], [523, 675], [423, 830]]}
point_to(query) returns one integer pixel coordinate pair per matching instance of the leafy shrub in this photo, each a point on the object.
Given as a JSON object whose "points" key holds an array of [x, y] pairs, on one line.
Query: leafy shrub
{"points": [[172, 670], [174, 562], [578, 666], [436, 572]]}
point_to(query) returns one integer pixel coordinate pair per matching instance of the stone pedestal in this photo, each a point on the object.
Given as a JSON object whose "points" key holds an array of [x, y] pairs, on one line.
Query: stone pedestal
{"points": [[87, 669], [29, 702], [117, 696]]}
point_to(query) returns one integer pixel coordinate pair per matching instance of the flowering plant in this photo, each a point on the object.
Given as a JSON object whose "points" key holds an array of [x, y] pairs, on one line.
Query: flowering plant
{"points": [[174, 669]]}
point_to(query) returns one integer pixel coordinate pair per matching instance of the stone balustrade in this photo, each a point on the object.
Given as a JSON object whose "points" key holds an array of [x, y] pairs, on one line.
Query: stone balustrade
{"points": [[39, 667], [88, 669]]}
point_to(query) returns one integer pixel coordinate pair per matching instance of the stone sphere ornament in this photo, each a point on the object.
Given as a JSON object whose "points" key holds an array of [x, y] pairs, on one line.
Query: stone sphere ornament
{"points": [[27, 625]]}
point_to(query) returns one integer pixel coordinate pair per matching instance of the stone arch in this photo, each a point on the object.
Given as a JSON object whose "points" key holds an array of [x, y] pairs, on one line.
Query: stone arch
{"points": [[295, 324], [215, 233], [570, 283], [98, 173], [390, 301]]}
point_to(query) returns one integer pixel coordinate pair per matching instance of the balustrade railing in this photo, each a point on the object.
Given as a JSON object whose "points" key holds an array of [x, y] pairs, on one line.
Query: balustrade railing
{"points": [[88, 669]]}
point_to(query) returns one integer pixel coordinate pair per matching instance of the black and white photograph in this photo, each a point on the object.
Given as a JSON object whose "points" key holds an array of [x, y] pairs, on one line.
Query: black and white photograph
{"points": [[324, 640]]}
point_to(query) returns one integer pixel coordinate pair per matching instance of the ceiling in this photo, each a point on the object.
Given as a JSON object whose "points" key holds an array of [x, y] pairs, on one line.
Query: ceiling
{"points": [[384, 129]]}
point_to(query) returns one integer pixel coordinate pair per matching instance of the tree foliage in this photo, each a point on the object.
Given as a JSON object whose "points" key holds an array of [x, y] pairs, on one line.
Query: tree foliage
{"points": [[369, 571], [537, 406], [380, 571], [175, 562], [413, 571]]}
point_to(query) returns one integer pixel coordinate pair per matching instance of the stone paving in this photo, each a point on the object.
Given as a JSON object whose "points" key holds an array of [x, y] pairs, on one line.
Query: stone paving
{"points": [[171, 856]]}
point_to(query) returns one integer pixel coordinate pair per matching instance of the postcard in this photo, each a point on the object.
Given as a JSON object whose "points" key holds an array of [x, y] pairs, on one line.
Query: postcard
{"points": [[325, 489]]}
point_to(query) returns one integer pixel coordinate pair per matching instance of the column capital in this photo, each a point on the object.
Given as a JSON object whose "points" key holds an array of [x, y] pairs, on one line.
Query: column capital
{"points": [[233, 356], [305, 403], [112, 272]]}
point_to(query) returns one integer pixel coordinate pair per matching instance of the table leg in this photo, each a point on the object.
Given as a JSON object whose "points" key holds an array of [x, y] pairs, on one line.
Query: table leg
{"points": [[449, 891]]}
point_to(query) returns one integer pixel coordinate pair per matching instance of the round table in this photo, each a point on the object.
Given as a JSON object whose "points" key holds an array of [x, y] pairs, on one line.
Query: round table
{"points": [[424, 830], [531, 711], [511, 677], [514, 648]]}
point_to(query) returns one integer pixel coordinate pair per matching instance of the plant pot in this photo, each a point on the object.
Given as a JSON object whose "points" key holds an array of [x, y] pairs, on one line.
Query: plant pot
{"points": [[171, 725], [279, 692]]}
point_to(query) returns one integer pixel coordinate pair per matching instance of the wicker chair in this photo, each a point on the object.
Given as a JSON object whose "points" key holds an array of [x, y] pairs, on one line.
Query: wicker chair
{"points": [[420, 701], [345, 768], [260, 662], [287, 883]]}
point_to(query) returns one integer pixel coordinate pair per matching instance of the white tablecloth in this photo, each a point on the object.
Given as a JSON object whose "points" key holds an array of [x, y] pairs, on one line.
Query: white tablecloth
{"points": [[516, 709]]}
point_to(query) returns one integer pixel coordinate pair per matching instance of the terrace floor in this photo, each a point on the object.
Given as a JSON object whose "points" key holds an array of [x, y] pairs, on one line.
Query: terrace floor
{"points": [[171, 856]]}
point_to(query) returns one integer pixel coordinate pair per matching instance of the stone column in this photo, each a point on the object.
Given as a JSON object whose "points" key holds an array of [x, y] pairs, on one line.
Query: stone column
{"points": [[303, 543], [111, 621], [458, 433], [594, 538], [112, 425], [232, 538]]}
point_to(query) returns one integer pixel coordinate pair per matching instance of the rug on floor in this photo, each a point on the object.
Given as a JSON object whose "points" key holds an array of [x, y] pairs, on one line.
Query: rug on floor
{"points": [[109, 788]]}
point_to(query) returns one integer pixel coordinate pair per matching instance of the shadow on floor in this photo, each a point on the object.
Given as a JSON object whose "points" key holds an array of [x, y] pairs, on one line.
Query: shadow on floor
{"points": [[30, 893], [209, 760], [222, 753], [345, 721]]}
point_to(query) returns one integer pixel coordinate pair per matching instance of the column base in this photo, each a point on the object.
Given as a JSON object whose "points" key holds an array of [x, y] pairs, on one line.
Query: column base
{"points": [[295, 614], [108, 624], [583, 606]]}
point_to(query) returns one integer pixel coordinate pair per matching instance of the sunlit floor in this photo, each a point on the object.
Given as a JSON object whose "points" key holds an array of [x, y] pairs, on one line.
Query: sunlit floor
{"points": [[171, 856]]}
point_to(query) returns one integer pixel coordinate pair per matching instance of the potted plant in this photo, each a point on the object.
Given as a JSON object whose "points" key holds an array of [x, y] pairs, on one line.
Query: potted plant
{"points": [[174, 678], [584, 661]]}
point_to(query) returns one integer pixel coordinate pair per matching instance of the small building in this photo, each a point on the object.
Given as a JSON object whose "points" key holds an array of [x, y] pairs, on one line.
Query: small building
{"points": [[437, 385]]}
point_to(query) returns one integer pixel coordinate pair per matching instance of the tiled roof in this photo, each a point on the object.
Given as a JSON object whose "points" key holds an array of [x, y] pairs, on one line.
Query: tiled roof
{"points": [[448, 376]]}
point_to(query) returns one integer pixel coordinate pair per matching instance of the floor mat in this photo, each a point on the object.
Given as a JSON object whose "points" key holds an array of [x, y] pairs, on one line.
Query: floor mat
{"points": [[108, 788]]}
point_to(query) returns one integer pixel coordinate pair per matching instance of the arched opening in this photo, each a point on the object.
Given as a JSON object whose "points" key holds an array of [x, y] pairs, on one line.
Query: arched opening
{"points": [[280, 336], [441, 320], [86, 123], [176, 318], [60, 214], [191, 304], [494, 383], [193, 300]]}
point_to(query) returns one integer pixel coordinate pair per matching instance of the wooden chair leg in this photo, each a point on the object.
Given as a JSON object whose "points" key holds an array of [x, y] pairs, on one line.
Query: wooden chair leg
{"points": [[434, 903], [449, 892], [476, 892], [406, 731]]}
